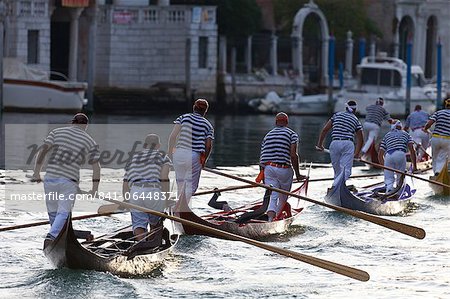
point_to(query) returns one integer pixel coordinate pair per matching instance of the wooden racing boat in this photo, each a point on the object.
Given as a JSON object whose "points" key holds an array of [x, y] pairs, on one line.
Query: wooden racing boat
{"points": [[248, 221], [372, 200], [443, 177], [117, 253]]}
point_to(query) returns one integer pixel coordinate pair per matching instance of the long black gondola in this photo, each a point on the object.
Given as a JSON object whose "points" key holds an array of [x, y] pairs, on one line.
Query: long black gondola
{"points": [[117, 253], [371, 200], [248, 221]]}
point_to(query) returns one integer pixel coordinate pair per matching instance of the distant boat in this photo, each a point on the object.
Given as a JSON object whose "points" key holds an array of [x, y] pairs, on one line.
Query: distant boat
{"points": [[29, 89], [385, 77], [293, 103]]}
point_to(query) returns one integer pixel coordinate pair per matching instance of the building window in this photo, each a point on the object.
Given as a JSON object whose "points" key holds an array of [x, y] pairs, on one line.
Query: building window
{"points": [[33, 46], [203, 52]]}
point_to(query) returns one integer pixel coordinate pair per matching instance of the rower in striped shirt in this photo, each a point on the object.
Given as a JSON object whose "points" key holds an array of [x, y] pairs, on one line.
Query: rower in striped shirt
{"points": [[440, 141], [190, 144], [146, 184], [279, 161], [374, 118], [392, 154], [68, 149], [416, 121], [344, 126]]}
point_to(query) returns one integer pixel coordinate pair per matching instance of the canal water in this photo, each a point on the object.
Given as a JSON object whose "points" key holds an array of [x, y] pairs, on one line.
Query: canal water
{"points": [[203, 267]]}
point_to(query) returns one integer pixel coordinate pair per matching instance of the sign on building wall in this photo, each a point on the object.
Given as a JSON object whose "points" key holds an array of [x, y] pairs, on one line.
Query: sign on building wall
{"points": [[75, 3], [122, 17]]}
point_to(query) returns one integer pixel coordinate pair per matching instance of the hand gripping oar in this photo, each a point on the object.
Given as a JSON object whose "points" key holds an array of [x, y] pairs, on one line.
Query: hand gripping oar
{"points": [[405, 173], [406, 229], [2, 229], [324, 264]]}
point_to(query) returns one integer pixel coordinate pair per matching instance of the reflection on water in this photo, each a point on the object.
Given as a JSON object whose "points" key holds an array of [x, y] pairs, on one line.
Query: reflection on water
{"points": [[237, 137]]}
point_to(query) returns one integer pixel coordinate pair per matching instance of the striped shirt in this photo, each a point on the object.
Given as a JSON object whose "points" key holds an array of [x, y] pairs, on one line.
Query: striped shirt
{"points": [[396, 140], [71, 147], [416, 119], [145, 166], [276, 145], [376, 114], [442, 122], [345, 125], [195, 129]]}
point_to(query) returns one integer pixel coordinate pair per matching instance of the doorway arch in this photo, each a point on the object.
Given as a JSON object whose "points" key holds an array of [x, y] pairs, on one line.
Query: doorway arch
{"points": [[406, 34], [297, 35], [430, 52]]}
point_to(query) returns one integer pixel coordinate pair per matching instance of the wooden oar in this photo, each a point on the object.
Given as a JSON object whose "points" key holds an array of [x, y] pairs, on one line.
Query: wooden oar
{"points": [[2, 229], [406, 229], [405, 173], [324, 264]]}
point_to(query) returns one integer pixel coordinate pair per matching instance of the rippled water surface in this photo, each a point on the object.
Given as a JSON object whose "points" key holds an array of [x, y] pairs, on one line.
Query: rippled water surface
{"points": [[203, 267]]}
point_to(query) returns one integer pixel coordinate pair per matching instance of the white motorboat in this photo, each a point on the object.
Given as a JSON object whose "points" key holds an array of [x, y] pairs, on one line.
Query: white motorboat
{"points": [[385, 77], [292, 103], [30, 89]]}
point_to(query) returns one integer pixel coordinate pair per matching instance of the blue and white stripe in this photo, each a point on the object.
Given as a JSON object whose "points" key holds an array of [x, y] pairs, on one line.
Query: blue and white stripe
{"points": [[71, 147], [145, 166], [376, 114], [442, 122], [396, 140], [345, 125], [195, 129], [276, 145], [417, 119]]}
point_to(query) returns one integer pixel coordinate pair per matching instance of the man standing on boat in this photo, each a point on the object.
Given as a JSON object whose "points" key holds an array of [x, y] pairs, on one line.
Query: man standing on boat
{"points": [[279, 161], [344, 126], [190, 144], [416, 121], [374, 118], [440, 141], [146, 184], [69, 148], [392, 153]]}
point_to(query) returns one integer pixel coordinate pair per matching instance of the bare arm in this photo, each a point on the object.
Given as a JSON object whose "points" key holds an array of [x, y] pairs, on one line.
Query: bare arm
{"points": [[45, 148], [324, 133], [173, 139], [381, 156], [95, 177], [412, 154], [294, 162], [428, 125], [125, 190], [164, 178], [208, 148], [359, 143]]}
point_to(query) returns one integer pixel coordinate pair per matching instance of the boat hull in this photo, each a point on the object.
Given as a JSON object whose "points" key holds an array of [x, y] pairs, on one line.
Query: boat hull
{"points": [[67, 252], [443, 177]]}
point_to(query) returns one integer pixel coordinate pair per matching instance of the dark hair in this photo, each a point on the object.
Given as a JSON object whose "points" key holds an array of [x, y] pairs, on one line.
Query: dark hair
{"points": [[418, 107], [80, 118]]}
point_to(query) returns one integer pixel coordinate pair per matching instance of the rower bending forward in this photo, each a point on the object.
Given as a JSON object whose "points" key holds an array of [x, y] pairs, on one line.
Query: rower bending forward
{"points": [[393, 154], [278, 157]]}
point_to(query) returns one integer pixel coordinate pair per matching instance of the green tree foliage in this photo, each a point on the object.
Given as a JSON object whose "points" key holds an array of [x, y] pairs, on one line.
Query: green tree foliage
{"points": [[342, 16], [238, 18]]}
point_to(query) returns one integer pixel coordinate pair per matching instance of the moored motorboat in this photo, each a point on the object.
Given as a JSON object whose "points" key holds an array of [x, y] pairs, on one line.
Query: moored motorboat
{"points": [[245, 221], [117, 253], [372, 200], [444, 178]]}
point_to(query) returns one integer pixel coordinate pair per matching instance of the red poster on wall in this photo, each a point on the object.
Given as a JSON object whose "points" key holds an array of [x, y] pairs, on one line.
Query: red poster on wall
{"points": [[75, 3]]}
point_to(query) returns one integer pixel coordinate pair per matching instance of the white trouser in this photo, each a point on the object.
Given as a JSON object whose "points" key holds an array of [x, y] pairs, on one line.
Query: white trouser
{"points": [[371, 130], [187, 171], [146, 197], [422, 138], [279, 178], [342, 153], [395, 160], [440, 147], [59, 197]]}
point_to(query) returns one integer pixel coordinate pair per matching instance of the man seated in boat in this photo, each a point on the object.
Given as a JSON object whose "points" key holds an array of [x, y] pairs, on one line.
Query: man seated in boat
{"points": [[440, 143], [146, 184], [279, 161], [415, 122], [68, 148], [392, 154], [375, 115], [345, 125]]}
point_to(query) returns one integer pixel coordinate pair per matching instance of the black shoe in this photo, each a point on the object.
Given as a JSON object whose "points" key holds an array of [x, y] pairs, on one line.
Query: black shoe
{"points": [[47, 242]]}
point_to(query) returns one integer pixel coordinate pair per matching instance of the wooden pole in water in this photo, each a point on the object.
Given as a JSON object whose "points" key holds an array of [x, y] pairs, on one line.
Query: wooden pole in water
{"points": [[439, 76], [408, 79], [233, 77]]}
